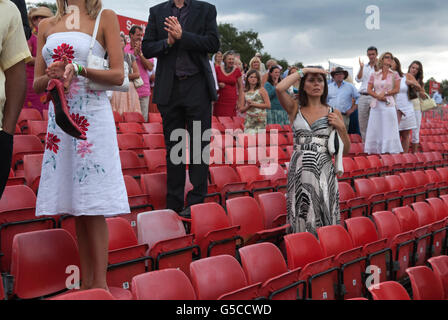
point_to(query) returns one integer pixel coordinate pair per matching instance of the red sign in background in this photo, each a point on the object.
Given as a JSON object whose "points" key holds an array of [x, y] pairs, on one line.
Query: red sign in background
{"points": [[433, 87], [126, 23]]}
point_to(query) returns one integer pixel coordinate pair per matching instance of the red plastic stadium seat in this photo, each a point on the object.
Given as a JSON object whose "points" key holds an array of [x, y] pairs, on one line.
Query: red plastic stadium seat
{"points": [[25, 115], [422, 180], [393, 197], [32, 165], [154, 117], [356, 149], [350, 204], [154, 185], [214, 277], [367, 189], [389, 290], [439, 266], [263, 262], [351, 170], [426, 217], [413, 161], [395, 182], [245, 212], [131, 164], [126, 257], [425, 284], [213, 231], [255, 182], [401, 243], [24, 144], [91, 294], [409, 222], [155, 160], [133, 117], [17, 215], [303, 251], [228, 182], [154, 141], [131, 141], [167, 284], [376, 163], [439, 208], [391, 163], [440, 185], [153, 128], [14, 180], [364, 164], [363, 233], [273, 205], [276, 174], [130, 127], [38, 129], [355, 138], [47, 253], [117, 117], [335, 241], [169, 245], [138, 201]]}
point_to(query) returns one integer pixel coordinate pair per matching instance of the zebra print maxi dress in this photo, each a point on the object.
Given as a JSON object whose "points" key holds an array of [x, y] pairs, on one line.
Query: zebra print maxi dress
{"points": [[313, 194]]}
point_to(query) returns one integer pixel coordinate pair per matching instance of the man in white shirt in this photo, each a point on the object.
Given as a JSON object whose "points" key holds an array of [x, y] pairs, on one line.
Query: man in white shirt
{"points": [[363, 77]]}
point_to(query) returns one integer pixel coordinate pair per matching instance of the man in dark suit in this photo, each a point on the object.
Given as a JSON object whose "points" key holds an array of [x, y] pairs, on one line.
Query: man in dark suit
{"points": [[181, 33]]}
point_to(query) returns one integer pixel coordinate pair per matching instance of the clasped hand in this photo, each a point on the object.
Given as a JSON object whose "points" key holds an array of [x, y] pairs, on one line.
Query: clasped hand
{"points": [[62, 70], [335, 121], [174, 29]]}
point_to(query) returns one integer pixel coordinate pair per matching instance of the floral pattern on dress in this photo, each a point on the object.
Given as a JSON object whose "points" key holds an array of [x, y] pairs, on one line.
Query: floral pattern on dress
{"points": [[81, 121], [84, 148], [52, 142], [64, 52]]}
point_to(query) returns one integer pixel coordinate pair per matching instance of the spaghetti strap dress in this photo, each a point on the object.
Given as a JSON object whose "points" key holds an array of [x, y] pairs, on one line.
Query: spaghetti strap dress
{"points": [[81, 177]]}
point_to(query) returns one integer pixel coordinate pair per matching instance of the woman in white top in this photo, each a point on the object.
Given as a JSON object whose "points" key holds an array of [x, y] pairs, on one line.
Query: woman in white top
{"points": [[416, 92], [405, 108], [382, 134]]}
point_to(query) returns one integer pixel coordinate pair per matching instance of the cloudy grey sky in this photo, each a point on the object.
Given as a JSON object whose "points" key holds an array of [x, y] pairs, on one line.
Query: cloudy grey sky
{"points": [[314, 32]]}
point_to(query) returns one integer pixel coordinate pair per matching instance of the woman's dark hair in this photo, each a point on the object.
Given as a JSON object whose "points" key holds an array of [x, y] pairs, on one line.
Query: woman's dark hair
{"points": [[134, 28], [412, 93], [270, 80], [303, 97], [397, 62], [247, 85]]}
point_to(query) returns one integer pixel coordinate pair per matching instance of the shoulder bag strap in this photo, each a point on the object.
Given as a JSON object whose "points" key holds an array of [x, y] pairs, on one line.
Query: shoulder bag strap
{"points": [[95, 31]]}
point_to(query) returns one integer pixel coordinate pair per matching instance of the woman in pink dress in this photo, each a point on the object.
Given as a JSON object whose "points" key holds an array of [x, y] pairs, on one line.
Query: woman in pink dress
{"points": [[34, 100], [230, 88]]}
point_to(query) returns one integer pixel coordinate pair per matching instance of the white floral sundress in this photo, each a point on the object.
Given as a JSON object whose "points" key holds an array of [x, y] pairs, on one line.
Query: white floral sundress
{"points": [[81, 177]]}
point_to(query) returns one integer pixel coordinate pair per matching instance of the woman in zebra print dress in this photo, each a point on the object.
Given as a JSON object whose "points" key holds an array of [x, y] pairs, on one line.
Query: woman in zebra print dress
{"points": [[313, 196]]}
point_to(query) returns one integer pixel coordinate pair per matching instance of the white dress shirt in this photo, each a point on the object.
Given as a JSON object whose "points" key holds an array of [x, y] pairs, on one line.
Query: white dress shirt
{"points": [[366, 73]]}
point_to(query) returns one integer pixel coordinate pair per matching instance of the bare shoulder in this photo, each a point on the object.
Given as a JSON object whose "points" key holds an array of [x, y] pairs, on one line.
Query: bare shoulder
{"points": [[46, 24], [109, 15]]}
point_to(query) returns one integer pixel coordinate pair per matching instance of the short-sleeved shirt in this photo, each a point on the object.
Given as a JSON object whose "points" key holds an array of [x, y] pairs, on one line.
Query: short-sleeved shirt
{"points": [[341, 97], [145, 89], [13, 45]]}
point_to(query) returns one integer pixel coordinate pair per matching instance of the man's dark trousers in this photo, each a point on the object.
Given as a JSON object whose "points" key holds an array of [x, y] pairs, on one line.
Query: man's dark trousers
{"points": [[189, 106]]}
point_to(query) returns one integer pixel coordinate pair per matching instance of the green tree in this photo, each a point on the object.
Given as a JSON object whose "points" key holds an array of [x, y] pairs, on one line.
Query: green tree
{"points": [[49, 5], [427, 84], [444, 87], [246, 43]]}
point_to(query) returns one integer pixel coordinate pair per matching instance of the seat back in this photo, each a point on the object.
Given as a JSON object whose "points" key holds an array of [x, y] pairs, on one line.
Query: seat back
{"points": [[273, 205], [32, 164], [425, 284], [159, 225], [154, 141], [130, 127], [389, 290], [155, 160], [245, 212], [424, 212], [223, 175], [154, 185], [394, 182], [334, 240], [24, 144], [261, 262], [154, 117], [167, 284], [207, 217], [439, 208], [407, 218], [301, 249], [91, 294], [153, 128], [364, 187], [362, 231], [439, 266], [121, 234], [47, 253], [223, 272], [135, 117], [387, 224]]}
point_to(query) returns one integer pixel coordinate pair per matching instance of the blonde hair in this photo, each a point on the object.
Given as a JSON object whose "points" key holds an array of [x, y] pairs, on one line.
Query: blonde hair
{"points": [[252, 61], [380, 60], [93, 8]]}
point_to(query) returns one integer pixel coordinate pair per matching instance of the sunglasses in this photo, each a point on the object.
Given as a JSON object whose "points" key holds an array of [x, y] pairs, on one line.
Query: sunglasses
{"points": [[387, 57]]}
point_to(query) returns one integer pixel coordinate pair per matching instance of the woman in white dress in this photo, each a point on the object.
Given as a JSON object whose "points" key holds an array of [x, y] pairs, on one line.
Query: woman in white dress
{"points": [[382, 134], [417, 91], [82, 178], [406, 115]]}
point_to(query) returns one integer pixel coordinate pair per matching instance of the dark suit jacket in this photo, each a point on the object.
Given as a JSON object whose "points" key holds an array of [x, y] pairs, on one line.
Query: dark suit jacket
{"points": [[199, 37]]}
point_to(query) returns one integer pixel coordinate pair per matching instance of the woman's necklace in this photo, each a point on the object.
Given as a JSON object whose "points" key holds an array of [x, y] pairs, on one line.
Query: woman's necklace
{"points": [[228, 69]]}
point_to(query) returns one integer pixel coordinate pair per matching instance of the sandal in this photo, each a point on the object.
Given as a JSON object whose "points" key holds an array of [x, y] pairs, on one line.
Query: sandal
{"points": [[55, 93]]}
